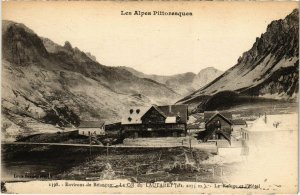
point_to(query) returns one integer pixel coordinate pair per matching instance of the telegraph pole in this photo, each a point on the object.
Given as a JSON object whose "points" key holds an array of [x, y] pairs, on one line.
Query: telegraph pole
{"points": [[90, 144], [190, 141], [107, 149]]}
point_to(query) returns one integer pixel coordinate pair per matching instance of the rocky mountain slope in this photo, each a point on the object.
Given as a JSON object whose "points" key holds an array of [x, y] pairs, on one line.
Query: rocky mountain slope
{"points": [[44, 83], [269, 69], [183, 84]]}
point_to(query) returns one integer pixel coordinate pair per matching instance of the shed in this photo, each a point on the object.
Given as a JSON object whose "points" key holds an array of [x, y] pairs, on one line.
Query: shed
{"points": [[217, 127], [91, 128], [238, 124]]}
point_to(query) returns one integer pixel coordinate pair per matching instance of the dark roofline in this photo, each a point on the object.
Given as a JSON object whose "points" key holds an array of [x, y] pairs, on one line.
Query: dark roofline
{"points": [[87, 127], [211, 113], [157, 109], [181, 108], [116, 123], [91, 124], [238, 122], [165, 114], [220, 116]]}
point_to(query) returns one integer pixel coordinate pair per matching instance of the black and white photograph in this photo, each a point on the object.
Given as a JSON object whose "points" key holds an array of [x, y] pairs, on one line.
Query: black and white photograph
{"points": [[157, 97]]}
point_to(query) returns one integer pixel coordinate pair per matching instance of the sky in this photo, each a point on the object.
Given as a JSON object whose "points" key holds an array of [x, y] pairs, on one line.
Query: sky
{"points": [[214, 36]]}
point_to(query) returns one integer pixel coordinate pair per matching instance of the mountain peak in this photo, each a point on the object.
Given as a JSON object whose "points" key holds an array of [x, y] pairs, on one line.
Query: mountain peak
{"points": [[295, 12], [21, 45], [268, 69], [8, 23], [209, 69], [68, 46]]}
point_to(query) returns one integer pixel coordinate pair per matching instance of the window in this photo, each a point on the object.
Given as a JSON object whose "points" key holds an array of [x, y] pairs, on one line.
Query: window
{"points": [[137, 111], [178, 119], [131, 111], [218, 124], [129, 119]]}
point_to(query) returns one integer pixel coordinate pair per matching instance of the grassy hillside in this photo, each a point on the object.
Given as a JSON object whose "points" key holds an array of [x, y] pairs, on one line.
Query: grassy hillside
{"points": [[46, 83]]}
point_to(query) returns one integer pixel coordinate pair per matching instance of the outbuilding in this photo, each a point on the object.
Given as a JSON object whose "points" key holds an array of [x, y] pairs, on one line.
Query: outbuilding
{"points": [[217, 127], [88, 128]]}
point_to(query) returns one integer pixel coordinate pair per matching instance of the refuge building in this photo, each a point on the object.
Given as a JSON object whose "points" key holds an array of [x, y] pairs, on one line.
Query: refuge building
{"points": [[155, 121]]}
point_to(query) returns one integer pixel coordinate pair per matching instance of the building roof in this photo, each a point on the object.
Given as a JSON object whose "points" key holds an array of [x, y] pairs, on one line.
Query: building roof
{"points": [[133, 115], [171, 119], [155, 108], [209, 114], [160, 111], [91, 124], [176, 110], [238, 122], [218, 114], [113, 126]]}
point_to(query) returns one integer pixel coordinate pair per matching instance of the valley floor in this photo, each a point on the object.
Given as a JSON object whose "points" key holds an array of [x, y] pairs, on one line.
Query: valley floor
{"points": [[149, 164], [83, 163]]}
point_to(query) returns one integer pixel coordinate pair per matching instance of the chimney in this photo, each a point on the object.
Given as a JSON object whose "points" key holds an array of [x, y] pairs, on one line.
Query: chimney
{"points": [[170, 108]]}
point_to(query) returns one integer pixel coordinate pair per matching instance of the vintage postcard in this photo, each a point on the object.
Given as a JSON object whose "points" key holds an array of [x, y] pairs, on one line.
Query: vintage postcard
{"points": [[182, 97]]}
